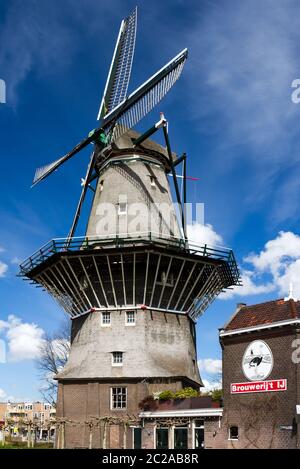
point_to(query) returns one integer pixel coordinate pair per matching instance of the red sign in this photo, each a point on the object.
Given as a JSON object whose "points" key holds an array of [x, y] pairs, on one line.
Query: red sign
{"points": [[259, 386]]}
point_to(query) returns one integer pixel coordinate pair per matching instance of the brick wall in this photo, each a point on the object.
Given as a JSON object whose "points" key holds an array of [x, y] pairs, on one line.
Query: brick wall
{"points": [[260, 415], [80, 401]]}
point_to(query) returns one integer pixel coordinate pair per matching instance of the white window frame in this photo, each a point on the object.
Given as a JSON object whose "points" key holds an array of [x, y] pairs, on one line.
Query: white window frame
{"points": [[122, 212], [170, 435], [105, 324], [111, 398], [113, 355], [229, 436], [126, 318], [195, 427]]}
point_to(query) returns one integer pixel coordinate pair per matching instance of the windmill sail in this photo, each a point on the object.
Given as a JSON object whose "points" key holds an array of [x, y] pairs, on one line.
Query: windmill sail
{"points": [[119, 73], [46, 170], [145, 98], [129, 112]]}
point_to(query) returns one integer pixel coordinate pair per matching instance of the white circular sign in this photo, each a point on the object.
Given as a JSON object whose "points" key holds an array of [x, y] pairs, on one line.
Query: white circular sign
{"points": [[257, 361]]}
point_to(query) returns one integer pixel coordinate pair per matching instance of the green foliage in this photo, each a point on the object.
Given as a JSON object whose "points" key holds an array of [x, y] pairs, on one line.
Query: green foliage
{"points": [[186, 392], [182, 394], [217, 394], [166, 395]]}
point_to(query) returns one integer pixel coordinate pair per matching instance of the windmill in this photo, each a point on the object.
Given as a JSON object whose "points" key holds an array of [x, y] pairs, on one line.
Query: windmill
{"points": [[132, 290], [118, 112]]}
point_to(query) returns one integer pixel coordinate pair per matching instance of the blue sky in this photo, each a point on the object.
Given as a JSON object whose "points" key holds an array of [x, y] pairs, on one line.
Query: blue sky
{"points": [[231, 111]]}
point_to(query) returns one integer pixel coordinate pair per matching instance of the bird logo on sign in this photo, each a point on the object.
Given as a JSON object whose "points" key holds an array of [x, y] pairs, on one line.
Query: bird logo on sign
{"points": [[257, 361]]}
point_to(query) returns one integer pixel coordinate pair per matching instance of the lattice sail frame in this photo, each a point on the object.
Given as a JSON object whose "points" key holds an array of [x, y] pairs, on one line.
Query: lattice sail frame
{"points": [[130, 111], [120, 69], [134, 108]]}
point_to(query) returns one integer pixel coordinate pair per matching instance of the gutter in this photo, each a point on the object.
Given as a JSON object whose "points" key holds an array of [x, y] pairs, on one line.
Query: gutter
{"points": [[210, 412]]}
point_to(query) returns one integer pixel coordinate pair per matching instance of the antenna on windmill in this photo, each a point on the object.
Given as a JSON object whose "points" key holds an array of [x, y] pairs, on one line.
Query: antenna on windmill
{"points": [[118, 113]]}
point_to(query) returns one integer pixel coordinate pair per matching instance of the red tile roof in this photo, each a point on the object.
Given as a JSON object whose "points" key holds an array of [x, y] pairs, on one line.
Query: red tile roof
{"points": [[264, 313]]}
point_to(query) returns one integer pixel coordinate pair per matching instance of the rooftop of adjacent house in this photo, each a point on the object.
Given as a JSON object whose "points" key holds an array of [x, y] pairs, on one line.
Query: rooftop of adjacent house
{"points": [[261, 314]]}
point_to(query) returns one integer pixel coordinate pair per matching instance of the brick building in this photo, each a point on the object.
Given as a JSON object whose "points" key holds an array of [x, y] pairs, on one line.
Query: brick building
{"points": [[261, 376]]}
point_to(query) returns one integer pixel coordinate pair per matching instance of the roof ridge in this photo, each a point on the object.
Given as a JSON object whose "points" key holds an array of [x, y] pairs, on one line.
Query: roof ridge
{"points": [[267, 312], [264, 303]]}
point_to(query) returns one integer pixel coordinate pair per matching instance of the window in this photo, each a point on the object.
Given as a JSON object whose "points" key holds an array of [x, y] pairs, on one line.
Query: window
{"points": [[47, 406], [118, 398], [234, 433], [42, 416], [199, 434], [117, 358], [122, 208], [180, 438], [162, 438], [137, 437], [28, 406], [130, 318], [105, 318]]}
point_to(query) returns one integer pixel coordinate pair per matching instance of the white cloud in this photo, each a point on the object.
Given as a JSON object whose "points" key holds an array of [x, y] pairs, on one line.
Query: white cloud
{"points": [[24, 340], [3, 269], [244, 57], [279, 261], [210, 365], [41, 38], [2, 394], [249, 287], [277, 253], [211, 385], [203, 234]]}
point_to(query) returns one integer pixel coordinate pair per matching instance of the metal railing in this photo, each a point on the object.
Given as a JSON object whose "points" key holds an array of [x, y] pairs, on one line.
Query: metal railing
{"points": [[62, 245]]}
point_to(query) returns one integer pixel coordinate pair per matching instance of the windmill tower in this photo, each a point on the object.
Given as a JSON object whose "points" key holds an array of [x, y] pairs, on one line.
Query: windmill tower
{"points": [[133, 285]]}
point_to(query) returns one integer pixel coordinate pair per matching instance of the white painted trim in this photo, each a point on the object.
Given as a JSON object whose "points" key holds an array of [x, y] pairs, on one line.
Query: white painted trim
{"points": [[243, 330], [126, 308], [111, 399], [210, 412]]}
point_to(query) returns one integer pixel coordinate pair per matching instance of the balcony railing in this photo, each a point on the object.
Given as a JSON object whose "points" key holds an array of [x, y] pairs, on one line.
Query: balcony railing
{"points": [[63, 245]]}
